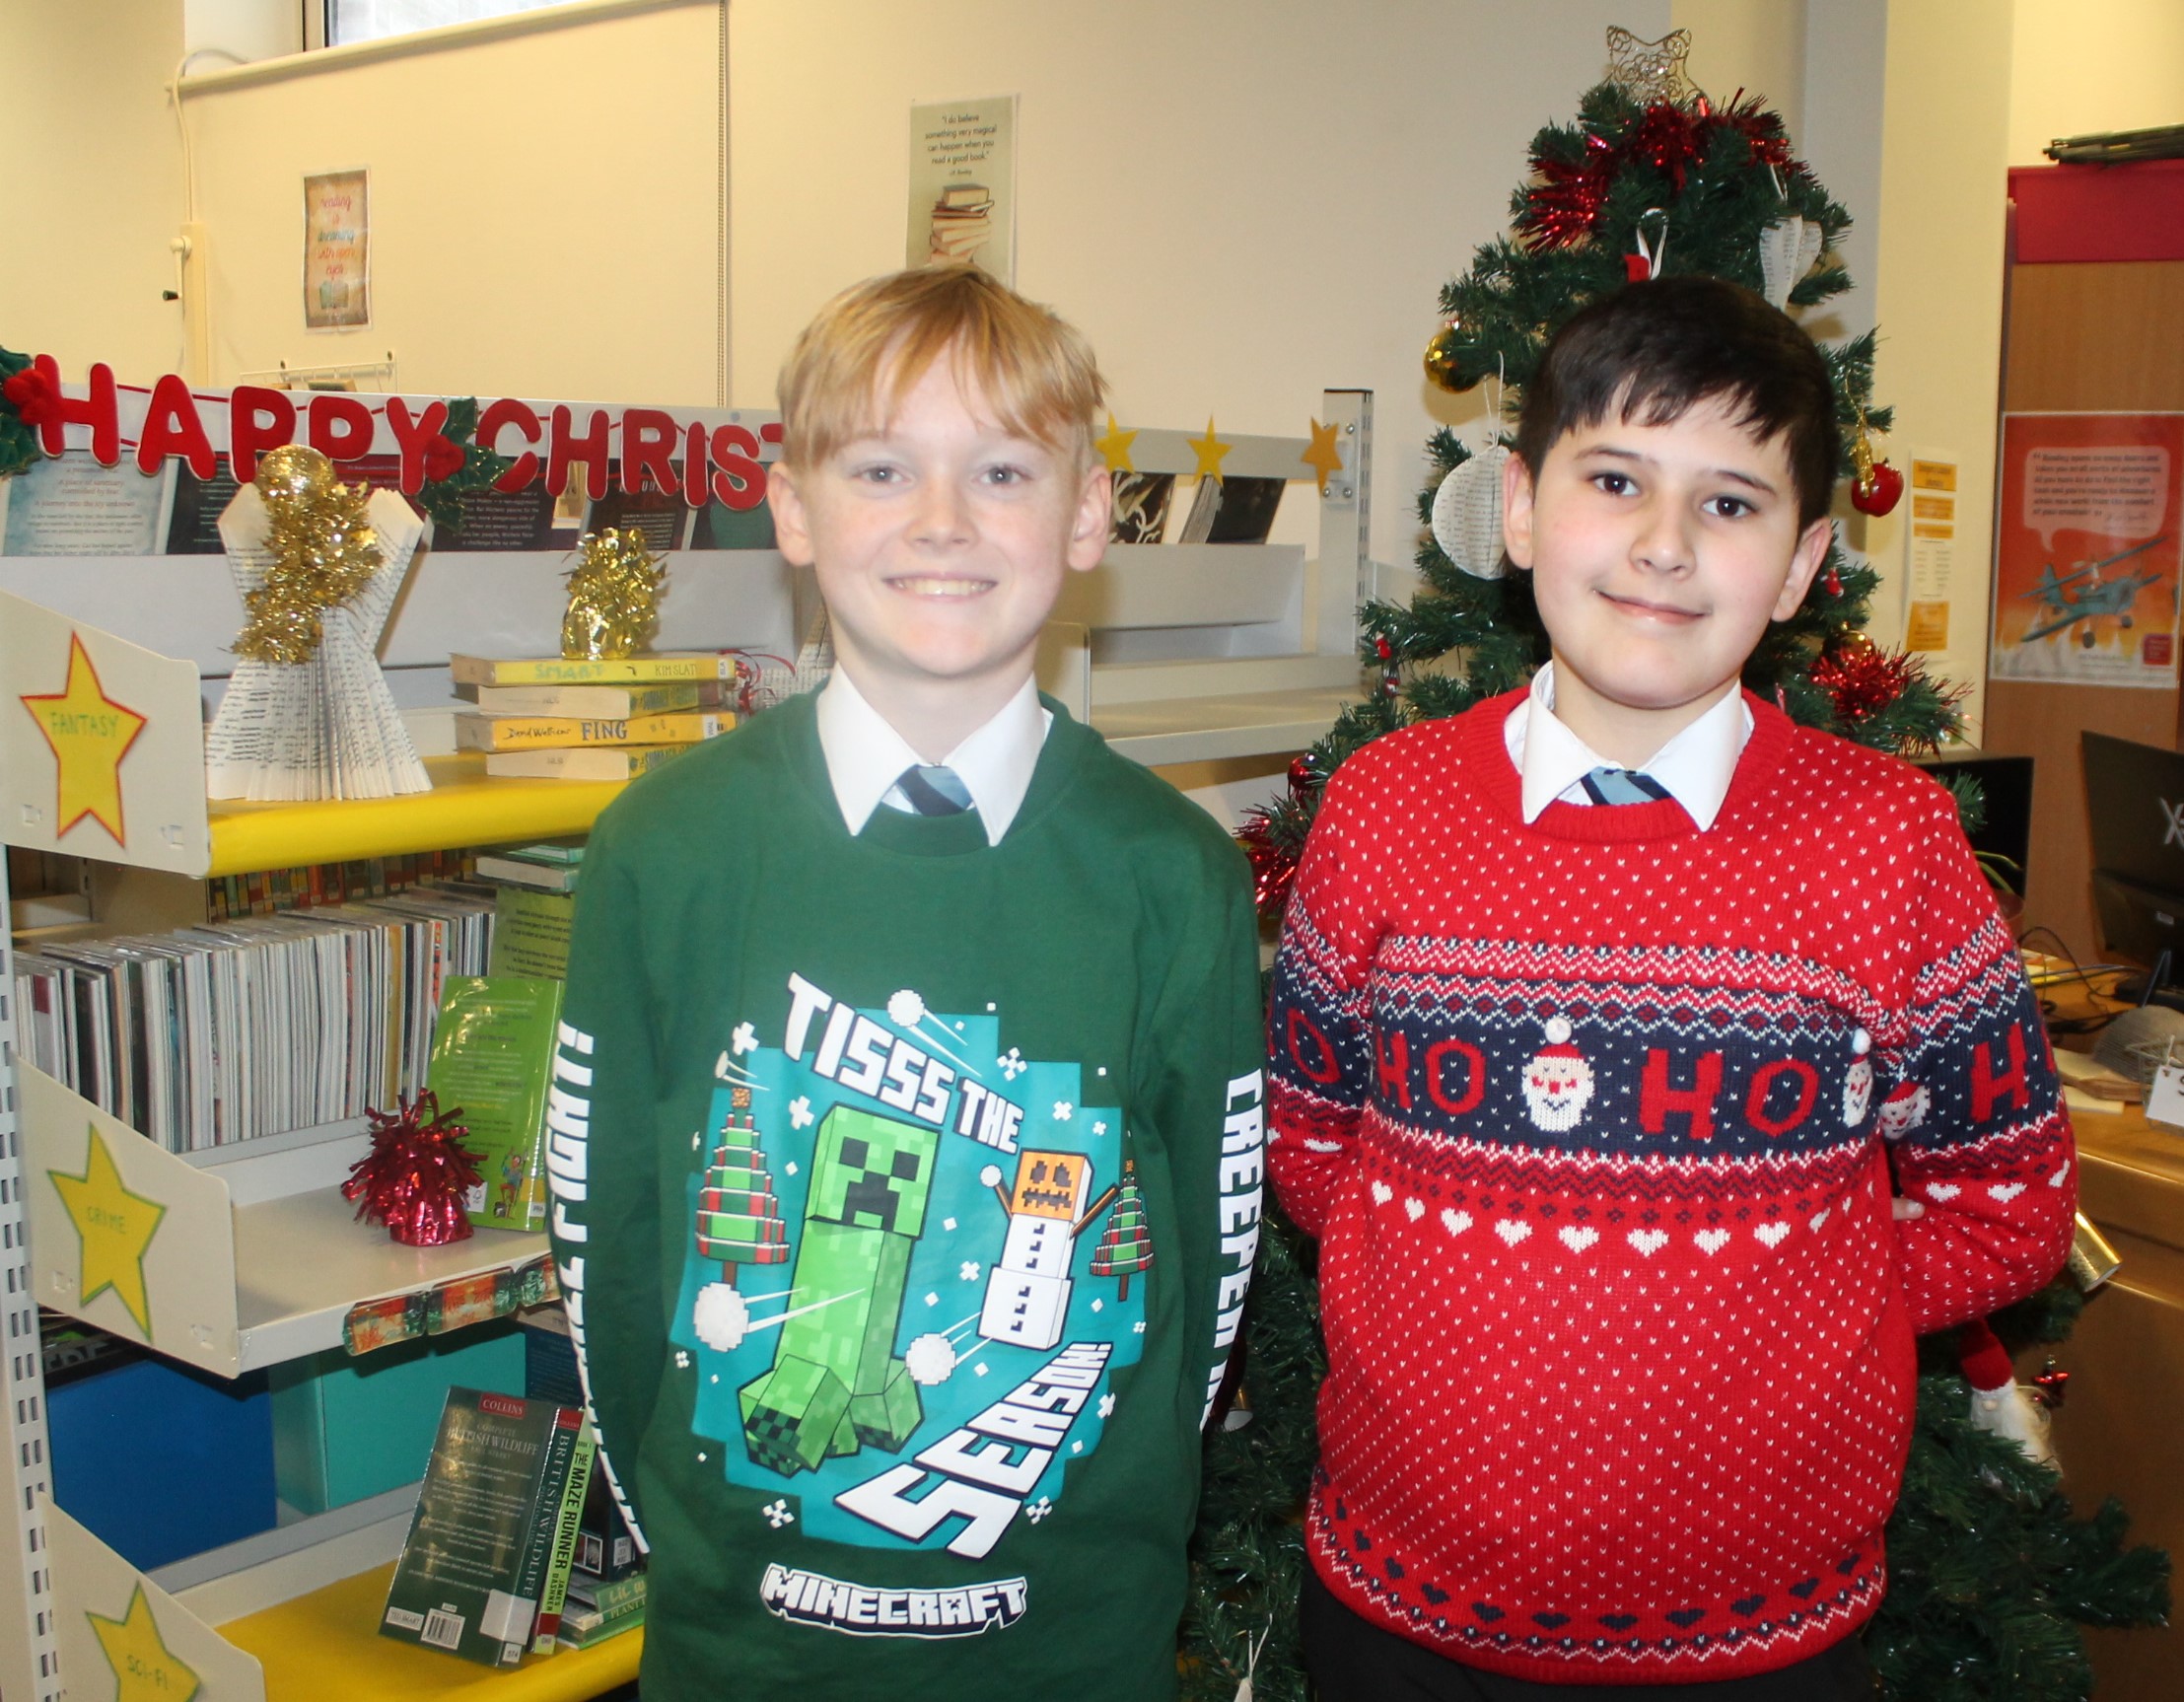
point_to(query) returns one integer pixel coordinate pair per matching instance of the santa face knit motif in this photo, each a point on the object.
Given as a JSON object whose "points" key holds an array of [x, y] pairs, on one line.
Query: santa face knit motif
{"points": [[1595, 1120]]}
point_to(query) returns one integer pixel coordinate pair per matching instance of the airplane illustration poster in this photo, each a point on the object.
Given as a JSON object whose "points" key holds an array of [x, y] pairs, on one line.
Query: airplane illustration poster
{"points": [[2087, 548]]}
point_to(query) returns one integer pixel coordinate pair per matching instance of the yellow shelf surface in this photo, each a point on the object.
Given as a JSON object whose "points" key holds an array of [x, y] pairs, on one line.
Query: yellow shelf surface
{"points": [[325, 1645], [463, 808]]}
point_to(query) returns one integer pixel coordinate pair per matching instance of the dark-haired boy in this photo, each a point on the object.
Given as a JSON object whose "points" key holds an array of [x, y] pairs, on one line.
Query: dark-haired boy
{"points": [[1585, 1008]]}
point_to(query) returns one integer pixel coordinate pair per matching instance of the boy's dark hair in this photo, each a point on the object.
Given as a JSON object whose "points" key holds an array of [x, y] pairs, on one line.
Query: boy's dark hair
{"points": [[1653, 350]]}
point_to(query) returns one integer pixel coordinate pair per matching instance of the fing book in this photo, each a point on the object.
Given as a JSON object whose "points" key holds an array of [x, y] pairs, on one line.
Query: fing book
{"points": [[560, 732]]}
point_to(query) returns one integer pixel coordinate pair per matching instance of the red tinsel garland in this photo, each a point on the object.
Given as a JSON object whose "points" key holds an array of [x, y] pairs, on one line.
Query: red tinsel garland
{"points": [[1273, 867], [1564, 206], [416, 1174]]}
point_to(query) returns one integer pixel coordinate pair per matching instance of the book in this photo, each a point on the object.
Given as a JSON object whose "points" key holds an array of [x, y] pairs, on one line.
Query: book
{"points": [[587, 1627], [1141, 504], [511, 869], [567, 1515], [480, 1542], [619, 671], [600, 763], [531, 934], [1237, 510], [492, 1056], [606, 1594], [561, 731], [601, 702]]}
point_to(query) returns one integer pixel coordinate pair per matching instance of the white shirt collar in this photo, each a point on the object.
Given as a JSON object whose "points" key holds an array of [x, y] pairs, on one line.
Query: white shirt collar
{"points": [[1695, 767], [866, 756]]}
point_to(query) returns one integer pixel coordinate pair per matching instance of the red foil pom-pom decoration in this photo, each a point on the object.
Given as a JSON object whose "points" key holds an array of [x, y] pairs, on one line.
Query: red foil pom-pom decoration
{"points": [[1860, 677], [416, 1174]]}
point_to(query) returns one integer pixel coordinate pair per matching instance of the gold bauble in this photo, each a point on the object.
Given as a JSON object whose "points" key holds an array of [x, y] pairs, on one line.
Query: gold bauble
{"points": [[293, 469], [1444, 357]]}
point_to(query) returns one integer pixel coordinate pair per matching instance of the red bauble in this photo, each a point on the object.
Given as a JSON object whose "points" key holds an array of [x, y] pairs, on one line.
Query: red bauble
{"points": [[416, 1174], [1302, 776], [1878, 491], [442, 458]]}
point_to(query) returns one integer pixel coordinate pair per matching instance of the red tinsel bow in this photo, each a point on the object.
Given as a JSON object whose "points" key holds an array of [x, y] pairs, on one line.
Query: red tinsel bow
{"points": [[34, 397], [416, 1174], [442, 458], [1273, 867]]}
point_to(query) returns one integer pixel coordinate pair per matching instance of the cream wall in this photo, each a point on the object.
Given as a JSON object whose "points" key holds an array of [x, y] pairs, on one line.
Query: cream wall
{"points": [[94, 183], [2092, 65], [1240, 201], [543, 206]]}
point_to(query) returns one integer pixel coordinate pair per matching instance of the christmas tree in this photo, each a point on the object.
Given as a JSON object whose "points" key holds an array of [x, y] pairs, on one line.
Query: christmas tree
{"points": [[1125, 1247], [740, 1220], [1991, 1573]]}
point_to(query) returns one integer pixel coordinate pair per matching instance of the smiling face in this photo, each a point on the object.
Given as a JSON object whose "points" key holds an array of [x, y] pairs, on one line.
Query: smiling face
{"points": [[941, 538], [1659, 555]]}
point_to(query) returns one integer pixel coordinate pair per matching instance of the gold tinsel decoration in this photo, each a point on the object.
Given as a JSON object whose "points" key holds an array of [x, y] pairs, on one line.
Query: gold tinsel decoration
{"points": [[324, 552], [614, 592]]}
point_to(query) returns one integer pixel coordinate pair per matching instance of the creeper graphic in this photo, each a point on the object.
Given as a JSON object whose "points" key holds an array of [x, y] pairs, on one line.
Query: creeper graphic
{"points": [[836, 1386], [1028, 1295]]}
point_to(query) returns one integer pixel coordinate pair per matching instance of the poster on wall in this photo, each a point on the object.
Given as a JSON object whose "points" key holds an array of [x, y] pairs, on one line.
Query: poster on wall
{"points": [[2086, 550], [1931, 552], [337, 252], [962, 184]]}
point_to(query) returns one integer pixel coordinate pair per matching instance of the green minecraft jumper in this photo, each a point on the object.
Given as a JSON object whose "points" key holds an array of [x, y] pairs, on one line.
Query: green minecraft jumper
{"points": [[809, 1105]]}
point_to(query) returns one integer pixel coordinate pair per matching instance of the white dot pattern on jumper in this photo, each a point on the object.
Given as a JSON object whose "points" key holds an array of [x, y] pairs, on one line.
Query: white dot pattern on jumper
{"points": [[1621, 1394]]}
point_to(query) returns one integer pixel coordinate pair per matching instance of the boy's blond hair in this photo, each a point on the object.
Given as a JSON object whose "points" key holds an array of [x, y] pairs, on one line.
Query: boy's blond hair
{"points": [[869, 348]]}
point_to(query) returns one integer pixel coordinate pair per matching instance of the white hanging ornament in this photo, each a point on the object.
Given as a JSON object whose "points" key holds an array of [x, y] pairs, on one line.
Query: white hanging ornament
{"points": [[1785, 253], [1467, 513]]}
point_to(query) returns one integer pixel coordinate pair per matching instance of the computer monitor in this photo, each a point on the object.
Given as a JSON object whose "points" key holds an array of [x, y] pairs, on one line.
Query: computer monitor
{"points": [[2134, 807]]}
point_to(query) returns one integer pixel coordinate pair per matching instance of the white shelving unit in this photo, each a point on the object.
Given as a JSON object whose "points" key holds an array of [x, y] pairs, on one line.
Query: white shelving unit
{"points": [[1177, 654]]}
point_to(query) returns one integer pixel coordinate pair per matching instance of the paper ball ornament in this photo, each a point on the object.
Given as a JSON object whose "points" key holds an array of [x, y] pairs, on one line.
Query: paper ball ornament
{"points": [[1467, 513], [1785, 253]]}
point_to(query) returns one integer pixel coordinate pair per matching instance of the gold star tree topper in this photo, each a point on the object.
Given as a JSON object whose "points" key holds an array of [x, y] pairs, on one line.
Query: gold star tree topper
{"points": [[89, 733]]}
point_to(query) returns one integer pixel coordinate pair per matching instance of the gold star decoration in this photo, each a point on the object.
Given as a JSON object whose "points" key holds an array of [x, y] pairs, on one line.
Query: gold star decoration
{"points": [[116, 1226], [1323, 457], [1114, 448], [90, 733], [1209, 450], [144, 1669], [1649, 71]]}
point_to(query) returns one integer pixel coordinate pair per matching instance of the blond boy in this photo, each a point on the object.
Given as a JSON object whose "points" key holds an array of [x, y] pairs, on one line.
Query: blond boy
{"points": [[910, 1084]]}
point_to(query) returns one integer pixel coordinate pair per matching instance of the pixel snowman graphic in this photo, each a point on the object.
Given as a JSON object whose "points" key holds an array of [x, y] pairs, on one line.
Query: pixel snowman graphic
{"points": [[1557, 1082], [1028, 1293]]}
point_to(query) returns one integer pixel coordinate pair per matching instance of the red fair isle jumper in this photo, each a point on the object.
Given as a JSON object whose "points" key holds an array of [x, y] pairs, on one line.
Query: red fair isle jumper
{"points": [[1595, 1121]]}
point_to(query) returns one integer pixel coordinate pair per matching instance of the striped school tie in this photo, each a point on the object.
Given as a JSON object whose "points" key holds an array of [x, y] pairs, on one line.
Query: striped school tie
{"points": [[933, 791], [1622, 786]]}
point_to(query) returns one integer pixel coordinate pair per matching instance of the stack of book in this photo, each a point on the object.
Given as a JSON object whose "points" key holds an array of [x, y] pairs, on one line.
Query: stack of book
{"points": [[553, 719], [485, 1570], [962, 221], [597, 1609]]}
